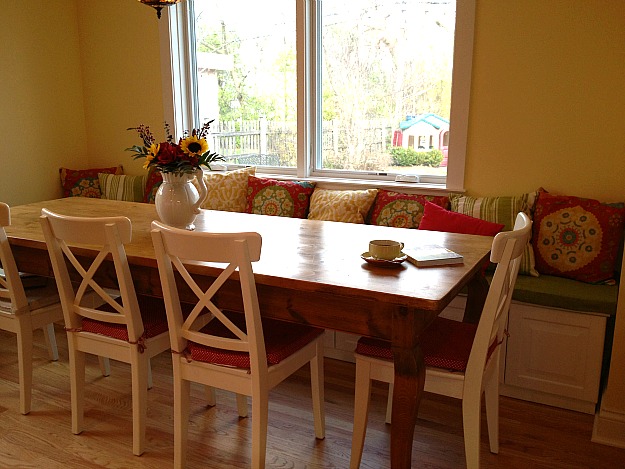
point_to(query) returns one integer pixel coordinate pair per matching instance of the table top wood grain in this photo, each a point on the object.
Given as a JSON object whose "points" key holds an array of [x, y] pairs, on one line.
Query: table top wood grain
{"points": [[308, 255]]}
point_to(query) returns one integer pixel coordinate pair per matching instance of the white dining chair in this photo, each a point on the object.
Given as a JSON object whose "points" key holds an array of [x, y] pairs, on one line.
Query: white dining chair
{"points": [[122, 325], [238, 352], [462, 360], [23, 311]]}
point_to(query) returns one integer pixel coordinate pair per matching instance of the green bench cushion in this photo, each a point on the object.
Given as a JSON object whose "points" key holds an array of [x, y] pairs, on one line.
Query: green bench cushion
{"points": [[564, 293]]}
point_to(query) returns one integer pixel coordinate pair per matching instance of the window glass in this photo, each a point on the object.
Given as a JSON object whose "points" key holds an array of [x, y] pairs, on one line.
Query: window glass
{"points": [[247, 79], [359, 89], [386, 85]]}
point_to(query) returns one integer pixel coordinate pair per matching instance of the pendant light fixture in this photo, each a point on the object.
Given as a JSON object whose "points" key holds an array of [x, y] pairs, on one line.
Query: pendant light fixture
{"points": [[159, 4]]}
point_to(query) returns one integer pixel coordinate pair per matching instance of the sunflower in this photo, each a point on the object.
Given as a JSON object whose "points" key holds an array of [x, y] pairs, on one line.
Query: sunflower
{"points": [[192, 145], [151, 154]]}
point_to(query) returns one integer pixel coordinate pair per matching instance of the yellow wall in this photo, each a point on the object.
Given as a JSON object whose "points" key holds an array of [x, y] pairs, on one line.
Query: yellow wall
{"points": [[42, 124], [120, 61], [547, 100]]}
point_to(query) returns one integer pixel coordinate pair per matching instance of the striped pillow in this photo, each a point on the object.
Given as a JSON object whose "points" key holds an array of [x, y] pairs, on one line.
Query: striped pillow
{"points": [[128, 188], [500, 210]]}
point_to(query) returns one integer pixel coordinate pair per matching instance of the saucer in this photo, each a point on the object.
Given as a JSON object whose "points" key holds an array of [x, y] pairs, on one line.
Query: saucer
{"points": [[383, 262]]}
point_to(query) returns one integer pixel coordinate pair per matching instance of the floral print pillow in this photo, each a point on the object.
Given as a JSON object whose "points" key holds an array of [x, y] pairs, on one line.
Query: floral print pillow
{"points": [[577, 238], [279, 198], [402, 210], [84, 182]]}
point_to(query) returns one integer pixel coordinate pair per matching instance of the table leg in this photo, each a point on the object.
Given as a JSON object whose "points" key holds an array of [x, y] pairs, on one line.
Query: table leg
{"points": [[408, 389], [409, 382], [476, 297]]}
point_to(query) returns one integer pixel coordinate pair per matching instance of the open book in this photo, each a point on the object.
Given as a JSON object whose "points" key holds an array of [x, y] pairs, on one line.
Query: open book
{"points": [[432, 254]]}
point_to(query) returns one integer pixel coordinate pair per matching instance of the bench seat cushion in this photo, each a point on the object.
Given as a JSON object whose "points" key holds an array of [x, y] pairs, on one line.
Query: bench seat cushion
{"points": [[564, 293]]}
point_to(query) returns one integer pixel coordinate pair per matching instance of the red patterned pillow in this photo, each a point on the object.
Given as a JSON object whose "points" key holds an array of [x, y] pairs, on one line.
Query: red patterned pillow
{"points": [[436, 218], [280, 198], [402, 210], [153, 182], [84, 182], [577, 238]]}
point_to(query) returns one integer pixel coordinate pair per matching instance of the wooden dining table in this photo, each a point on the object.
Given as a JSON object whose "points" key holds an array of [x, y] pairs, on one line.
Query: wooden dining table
{"points": [[310, 272]]}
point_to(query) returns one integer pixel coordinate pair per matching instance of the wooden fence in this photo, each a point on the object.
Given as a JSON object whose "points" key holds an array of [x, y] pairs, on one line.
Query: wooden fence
{"points": [[272, 143]]}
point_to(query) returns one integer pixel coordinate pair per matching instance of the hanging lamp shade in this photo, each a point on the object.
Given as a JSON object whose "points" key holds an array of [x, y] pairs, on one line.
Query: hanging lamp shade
{"points": [[159, 4]]}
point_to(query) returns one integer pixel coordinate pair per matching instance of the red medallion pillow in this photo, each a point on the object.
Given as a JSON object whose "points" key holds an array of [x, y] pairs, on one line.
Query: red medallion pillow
{"points": [[280, 198], [84, 182], [436, 218], [153, 182], [577, 238], [402, 210]]}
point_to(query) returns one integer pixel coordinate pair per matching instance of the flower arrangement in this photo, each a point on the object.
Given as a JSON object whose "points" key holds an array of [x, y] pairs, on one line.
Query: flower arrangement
{"points": [[188, 155]]}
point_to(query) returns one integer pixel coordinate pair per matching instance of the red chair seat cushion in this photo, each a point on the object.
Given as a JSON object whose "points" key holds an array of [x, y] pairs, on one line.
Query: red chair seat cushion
{"points": [[152, 314], [282, 339], [446, 344]]}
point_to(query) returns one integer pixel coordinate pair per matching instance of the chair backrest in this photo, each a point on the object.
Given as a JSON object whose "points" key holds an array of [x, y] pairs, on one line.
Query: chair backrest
{"points": [[176, 251], [506, 252], [11, 288], [108, 235]]}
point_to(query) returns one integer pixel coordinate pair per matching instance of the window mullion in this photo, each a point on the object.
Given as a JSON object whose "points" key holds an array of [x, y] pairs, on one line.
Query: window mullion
{"points": [[177, 67]]}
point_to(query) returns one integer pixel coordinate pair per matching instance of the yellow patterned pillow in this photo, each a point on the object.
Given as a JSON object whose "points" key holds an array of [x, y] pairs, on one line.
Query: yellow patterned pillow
{"points": [[346, 206], [227, 191]]}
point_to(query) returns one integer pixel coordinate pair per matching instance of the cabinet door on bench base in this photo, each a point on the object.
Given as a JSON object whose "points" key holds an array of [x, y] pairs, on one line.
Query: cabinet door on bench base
{"points": [[554, 357]]}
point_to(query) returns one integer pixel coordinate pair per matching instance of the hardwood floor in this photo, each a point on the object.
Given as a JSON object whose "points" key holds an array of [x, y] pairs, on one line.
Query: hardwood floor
{"points": [[531, 435]]}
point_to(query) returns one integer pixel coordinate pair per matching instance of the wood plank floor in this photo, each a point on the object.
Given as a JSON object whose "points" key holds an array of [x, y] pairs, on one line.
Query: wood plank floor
{"points": [[531, 435]]}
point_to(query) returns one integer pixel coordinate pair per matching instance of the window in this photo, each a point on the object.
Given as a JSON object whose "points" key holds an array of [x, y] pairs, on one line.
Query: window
{"points": [[357, 90]]}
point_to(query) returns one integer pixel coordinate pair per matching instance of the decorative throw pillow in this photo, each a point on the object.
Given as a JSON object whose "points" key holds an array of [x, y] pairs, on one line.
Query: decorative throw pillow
{"points": [[128, 188], [153, 182], [84, 182], [402, 210], [228, 190], [346, 206], [280, 198], [436, 218], [577, 238], [500, 210]]}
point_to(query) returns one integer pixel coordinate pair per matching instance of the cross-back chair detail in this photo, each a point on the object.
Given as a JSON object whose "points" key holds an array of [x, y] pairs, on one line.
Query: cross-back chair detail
{"points": [[24, 310], [472, 350], [241, 353], [113, 323]]}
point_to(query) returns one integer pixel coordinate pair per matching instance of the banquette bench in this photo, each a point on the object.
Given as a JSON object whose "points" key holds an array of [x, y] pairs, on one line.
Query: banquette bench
{"points": [[564, 303]]}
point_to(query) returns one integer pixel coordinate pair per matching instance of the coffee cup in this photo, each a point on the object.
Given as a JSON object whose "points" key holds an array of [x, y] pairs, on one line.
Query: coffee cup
{"points": [[385, 249]]}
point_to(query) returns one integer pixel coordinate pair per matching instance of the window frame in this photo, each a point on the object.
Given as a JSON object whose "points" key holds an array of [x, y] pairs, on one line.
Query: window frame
{"points": [[179, 87]]}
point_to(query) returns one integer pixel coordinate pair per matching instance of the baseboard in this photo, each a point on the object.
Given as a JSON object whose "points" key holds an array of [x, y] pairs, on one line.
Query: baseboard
{"points": [[609, 428], [547, 399]]}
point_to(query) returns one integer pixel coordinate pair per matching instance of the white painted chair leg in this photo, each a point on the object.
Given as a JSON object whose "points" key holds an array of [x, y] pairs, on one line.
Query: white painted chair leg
{"points": [[242, 405], [317, 388], [471, 413], [491, 401], [389, 403], [182, 389], [50, 338], [77, 386], [105, 366], [361, 411], [150, 383], [211, 397], [139, 371], [260, 418], [25, 364]]}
